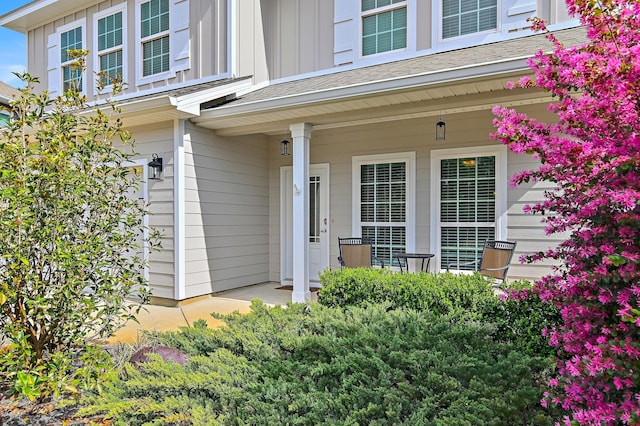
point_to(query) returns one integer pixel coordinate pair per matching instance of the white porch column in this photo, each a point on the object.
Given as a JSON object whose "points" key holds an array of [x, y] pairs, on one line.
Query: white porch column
{"points": [[301, 133], [179, 291]]}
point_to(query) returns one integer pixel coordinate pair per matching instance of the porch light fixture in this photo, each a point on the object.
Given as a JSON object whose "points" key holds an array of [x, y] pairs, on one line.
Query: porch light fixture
{"points": [[441, 128], [284, 148], [155, 167]]}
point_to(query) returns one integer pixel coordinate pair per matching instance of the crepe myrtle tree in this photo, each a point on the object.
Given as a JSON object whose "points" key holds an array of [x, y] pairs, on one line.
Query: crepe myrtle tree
{"points": [[592, 155], [70, 239]]}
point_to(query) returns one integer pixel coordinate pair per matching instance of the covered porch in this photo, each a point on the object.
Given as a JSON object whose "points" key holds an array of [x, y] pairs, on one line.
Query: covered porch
{"points": [[365, 161]]}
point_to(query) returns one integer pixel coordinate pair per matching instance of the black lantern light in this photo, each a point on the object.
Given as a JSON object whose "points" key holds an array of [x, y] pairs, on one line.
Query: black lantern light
{"points": [[155, 167], [441, 128], [284, 148]]}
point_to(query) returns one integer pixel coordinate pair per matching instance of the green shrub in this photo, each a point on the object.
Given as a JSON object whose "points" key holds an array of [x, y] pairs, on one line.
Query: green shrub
{"points": [[314, 365], [437, 293], [522, 317], [519, 320], [71, 232]]}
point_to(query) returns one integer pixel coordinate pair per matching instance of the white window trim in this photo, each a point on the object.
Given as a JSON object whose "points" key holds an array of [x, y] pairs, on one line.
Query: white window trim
{"points": [[465, 40], [412, 22], [96, 55], [399, 157], [82, 23], [500, 152], [140, 78], [179, 42], [145, 219]]}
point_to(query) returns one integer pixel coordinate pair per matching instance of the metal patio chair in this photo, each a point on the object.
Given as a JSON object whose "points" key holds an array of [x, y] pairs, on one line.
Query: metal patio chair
{"points": [[356, 252], [495, 260]]}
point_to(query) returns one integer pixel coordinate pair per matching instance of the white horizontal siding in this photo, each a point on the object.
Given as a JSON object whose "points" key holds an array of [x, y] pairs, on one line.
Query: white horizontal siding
{"points": [[338, 146], [158, 139]]}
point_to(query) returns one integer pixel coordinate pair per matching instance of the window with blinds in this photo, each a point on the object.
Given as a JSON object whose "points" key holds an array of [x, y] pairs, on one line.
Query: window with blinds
{"points": [[154, 30], [384, 26], [383, 208], [71, 74], [467, 207], [110, 47], [462, 17]]}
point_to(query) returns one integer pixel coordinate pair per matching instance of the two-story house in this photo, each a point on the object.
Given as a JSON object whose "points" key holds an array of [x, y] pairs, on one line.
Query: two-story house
{"points": [[223, 90]]}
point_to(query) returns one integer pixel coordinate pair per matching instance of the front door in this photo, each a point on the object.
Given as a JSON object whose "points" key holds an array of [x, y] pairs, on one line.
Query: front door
{"points": [[318, 238]]}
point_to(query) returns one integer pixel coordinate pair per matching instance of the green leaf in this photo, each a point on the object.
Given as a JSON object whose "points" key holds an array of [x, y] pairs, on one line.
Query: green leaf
{"points": [[616, 259]]}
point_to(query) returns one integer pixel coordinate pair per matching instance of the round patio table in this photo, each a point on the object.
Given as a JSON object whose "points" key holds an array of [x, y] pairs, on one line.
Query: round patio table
{"points": [[407, 256]]}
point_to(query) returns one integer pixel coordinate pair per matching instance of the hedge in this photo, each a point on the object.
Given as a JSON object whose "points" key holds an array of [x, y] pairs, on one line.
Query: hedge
{"points": [[520, 320], [315, 365]]}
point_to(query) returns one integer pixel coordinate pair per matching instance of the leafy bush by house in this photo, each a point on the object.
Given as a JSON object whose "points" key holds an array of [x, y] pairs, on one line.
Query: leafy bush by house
{"points": [[316, 365], [71, 233], [519, 318], [438, 293]]}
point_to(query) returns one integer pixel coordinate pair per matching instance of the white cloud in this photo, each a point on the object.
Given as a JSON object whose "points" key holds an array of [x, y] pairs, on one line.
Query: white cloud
{"points": [[7, 76]]}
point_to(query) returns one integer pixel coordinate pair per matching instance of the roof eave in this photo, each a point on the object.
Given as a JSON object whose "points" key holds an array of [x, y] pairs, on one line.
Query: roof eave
{"points": [[477, 71], [40, 12]]}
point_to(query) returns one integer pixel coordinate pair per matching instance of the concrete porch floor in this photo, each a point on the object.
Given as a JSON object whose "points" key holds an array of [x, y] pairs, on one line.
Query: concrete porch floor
{"points": [[164, 318]]}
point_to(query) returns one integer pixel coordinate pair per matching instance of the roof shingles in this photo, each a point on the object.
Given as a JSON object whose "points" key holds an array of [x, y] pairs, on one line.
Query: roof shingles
{"points": [[494, 52]]}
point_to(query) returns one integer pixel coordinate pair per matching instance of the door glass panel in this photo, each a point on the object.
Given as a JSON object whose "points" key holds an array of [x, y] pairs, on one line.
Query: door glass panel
{"points": [[314, 209]]}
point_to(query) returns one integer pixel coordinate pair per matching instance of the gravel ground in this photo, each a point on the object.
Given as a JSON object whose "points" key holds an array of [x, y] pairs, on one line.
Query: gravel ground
{"points": [[25, 412]]}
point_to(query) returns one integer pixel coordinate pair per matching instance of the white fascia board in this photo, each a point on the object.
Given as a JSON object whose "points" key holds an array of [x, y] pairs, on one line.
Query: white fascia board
{"points": [[145, 104], [173, 86], [431, 78], [186, 106], [191, 103], [40, 12], [16, 19]]}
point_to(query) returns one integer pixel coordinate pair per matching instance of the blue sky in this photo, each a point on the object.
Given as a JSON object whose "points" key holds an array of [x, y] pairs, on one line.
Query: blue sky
{"points": [[13, 50]]}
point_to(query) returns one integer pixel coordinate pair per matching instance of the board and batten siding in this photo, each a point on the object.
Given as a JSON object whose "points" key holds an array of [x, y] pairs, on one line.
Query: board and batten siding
{"points": [[208, 26], [226, 211], [298, 36], [207, 46], [158, 139]]}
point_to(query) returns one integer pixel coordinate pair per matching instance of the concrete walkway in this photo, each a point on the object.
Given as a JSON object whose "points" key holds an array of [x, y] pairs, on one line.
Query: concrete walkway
{"points": [[163, 318]]}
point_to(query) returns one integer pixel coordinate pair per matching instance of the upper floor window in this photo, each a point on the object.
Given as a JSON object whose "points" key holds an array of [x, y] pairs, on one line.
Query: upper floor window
{"points": [[384, 26], [71, 73], [154, 31], [110, 47], [63, 72], [462, 17]]}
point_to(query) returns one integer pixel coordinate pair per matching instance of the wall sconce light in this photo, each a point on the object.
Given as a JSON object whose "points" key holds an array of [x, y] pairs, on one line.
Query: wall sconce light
{"points": [[441, 128], [155, 167], [284, 148]]}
